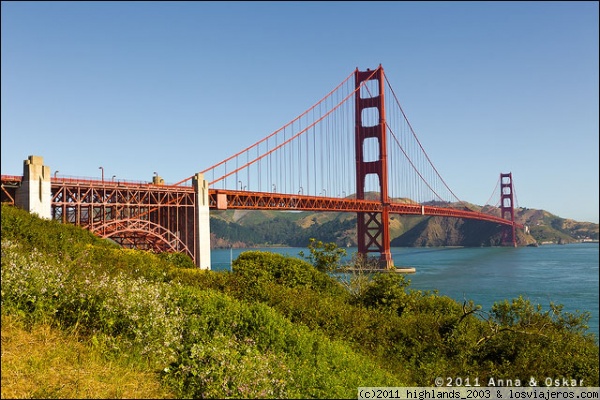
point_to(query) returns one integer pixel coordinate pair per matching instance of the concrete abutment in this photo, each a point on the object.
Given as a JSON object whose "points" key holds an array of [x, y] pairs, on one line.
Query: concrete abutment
{"points": [[202, 255], [35, 193]]}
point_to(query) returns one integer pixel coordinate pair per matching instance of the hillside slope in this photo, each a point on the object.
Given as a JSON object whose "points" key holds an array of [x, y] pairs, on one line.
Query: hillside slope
{"points": [[238, 228]]}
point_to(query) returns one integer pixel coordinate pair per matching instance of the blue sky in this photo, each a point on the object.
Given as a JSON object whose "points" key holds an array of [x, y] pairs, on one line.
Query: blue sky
{"points": [[176, 87]]}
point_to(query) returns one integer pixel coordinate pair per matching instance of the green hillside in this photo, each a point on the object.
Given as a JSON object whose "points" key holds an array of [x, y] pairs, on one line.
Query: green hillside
{"points": [[82, 317], [271, 228]]}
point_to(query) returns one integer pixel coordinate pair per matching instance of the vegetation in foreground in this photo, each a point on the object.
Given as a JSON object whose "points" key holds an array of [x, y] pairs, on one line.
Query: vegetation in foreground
{"points": [[273, 327]]}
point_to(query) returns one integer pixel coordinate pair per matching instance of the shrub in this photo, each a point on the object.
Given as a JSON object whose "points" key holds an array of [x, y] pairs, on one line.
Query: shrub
{"points": [[257, 267], [325, 257], [386, 291], [179, 260]]}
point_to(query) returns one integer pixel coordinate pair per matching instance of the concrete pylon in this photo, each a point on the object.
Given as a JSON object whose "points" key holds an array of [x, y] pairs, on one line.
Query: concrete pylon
{"points": [[35, 194], [203, 222]]}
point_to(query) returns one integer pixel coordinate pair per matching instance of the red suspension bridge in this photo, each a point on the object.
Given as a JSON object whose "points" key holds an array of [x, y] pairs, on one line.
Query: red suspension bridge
{"points": [[353, 151]]}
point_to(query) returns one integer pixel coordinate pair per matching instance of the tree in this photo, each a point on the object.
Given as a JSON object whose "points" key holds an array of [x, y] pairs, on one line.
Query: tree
{"points": [[356, 276], [325, 257]]}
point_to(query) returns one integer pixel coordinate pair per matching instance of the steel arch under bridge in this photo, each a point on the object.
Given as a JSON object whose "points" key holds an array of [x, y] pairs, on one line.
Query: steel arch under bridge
{"points": [[136, 215]]}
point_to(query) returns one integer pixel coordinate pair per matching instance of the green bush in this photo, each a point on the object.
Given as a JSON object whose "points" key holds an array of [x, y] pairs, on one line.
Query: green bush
{"points": [[257, 267], [253, 338], [551, 343], [52, 237], [386, 291], [179, 260]]}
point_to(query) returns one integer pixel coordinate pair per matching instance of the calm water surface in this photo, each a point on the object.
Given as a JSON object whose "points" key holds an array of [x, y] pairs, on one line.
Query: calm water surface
{"points": [[563, 274]]}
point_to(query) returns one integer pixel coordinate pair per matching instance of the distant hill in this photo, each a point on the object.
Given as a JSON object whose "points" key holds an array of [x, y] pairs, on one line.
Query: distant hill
{"points": [[242, 228]]}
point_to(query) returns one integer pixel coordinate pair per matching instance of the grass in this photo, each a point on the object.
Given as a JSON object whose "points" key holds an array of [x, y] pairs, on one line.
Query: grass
{"points": [[46, 362]]}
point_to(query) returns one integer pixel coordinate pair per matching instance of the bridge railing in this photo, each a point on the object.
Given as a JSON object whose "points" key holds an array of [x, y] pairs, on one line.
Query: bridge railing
{"points": [[12, 178], [112, 181]]}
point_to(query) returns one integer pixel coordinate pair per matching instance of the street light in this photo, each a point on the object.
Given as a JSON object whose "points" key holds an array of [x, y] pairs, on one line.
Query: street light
{"points": [[241, 187], [102, 168], [55, 172], [113, 177]]}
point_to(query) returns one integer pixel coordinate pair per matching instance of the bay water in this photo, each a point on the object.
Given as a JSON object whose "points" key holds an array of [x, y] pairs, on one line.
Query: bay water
{"points": [[562, 274]]}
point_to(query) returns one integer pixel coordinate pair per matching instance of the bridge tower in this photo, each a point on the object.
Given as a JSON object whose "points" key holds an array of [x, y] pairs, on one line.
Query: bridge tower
{"points": [[507, 209], [373, 227]]}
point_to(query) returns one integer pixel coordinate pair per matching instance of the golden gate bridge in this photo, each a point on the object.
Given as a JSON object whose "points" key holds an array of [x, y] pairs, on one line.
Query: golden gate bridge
{"points": [[352, 151]]}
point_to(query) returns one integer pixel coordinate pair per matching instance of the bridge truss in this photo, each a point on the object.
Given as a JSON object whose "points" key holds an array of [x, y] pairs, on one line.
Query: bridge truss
{"points": [[135, 215]]}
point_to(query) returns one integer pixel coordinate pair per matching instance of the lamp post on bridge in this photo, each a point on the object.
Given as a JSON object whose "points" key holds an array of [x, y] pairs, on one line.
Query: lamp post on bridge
{"points": [[102, 168], [55, 172]]}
